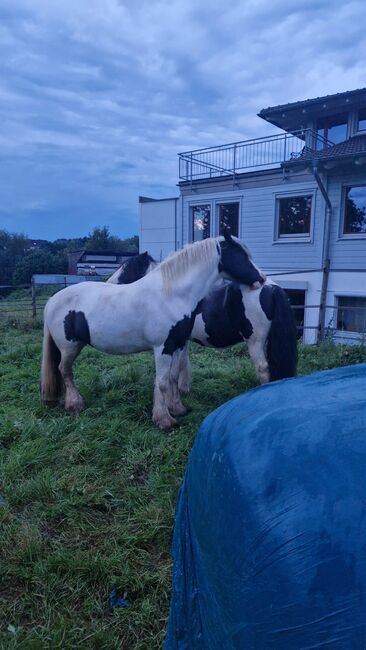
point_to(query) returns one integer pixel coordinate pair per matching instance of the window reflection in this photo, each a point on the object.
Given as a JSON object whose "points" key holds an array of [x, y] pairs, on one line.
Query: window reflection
{"points": [[201, 217], [229, 218], [332, 128], [355, 210], [294, 214]]}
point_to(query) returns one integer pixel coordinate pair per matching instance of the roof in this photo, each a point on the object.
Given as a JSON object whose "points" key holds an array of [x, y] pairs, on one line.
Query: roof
{"points": [[296, 115], [85, 251], [304, 102], [350, 148]]}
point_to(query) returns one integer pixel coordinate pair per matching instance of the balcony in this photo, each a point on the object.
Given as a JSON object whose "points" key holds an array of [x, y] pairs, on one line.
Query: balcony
{"points": [[249, 155]]}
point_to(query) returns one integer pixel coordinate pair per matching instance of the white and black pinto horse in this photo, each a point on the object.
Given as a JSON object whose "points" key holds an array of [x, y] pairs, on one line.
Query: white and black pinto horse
{"points": [[232, 313], [156, 312]]}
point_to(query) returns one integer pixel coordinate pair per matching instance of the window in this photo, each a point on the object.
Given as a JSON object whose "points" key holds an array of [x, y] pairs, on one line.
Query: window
{"points": [[228, 214], [201, 218], [294, 216], [355, 210], [332, 128], [362, 120], [351, 314]]}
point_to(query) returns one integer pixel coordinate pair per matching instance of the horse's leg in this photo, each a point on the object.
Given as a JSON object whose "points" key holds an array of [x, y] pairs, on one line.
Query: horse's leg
{"points": [[175, 405], [185, 371], [162, 390], [74, 403], [258, 357]]}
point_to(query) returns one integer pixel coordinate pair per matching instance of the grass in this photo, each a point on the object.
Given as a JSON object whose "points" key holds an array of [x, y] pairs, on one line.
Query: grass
{"points": [[87, 504]]}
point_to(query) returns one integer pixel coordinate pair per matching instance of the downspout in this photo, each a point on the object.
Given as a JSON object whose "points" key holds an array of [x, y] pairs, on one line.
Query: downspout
{"points": [[326, 252], [175, 224]]}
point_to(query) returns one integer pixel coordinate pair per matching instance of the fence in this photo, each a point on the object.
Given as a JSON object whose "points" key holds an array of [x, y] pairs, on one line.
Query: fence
{"points": [[30, 299], [344, 324]]}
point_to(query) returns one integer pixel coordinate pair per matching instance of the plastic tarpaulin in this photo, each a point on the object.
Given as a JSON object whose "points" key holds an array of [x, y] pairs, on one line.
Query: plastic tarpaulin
{"points": [[269, 548]]}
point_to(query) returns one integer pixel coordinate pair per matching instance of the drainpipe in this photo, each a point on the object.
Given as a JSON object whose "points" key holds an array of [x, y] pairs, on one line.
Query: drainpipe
{"points": [[326, 249]]}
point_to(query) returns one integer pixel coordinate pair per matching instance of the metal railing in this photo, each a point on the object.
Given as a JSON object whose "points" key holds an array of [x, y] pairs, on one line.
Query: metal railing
{"points": [[259, 153]]}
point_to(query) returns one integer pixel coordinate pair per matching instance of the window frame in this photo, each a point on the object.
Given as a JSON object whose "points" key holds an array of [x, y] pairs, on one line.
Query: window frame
{"points": [[197, 204], [358, 130], [219, 202], [306, 238], [342, 234], [326, 128], [347, 333]]}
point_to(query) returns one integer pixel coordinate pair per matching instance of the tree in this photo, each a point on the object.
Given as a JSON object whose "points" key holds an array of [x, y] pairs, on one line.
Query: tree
{"points": [[355, 220], [101, 239], [39, 261], [12, 248], [130, 244]]}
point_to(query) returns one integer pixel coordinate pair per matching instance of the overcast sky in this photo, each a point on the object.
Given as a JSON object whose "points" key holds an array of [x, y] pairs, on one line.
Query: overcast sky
{"points": [[98, 96]]}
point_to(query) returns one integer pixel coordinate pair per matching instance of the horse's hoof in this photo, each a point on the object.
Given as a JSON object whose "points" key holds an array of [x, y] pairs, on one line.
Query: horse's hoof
{"points": [[178, 410], [75, 407], [50, 403], [166, 423], [184, 388]]}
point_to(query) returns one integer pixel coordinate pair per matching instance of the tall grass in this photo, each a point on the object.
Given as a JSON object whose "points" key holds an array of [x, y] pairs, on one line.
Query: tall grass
{"points": [[87, 503]]}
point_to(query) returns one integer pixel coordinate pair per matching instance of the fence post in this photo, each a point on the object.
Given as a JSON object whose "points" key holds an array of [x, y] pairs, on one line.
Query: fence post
{"points": [[34, 302]]}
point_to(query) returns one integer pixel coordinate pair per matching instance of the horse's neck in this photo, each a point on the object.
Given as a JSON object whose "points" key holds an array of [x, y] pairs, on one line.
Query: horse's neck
{"points": [[196, 283]]}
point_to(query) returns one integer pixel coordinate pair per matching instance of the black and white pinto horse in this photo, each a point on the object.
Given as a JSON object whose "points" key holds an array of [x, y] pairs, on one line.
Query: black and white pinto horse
{"points": [[156, 312], [231, 313]]}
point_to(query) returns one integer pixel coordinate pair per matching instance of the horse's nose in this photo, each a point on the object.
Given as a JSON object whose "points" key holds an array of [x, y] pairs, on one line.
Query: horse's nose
{"points": [[263, 278]]}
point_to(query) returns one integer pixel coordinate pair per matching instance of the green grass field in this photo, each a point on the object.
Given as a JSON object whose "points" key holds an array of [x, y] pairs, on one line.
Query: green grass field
{"points": [[87, 503]]}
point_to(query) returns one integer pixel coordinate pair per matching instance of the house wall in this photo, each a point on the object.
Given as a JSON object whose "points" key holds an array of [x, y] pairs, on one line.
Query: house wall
{"points": [[158, 226], [257, 195], [346, 252]]}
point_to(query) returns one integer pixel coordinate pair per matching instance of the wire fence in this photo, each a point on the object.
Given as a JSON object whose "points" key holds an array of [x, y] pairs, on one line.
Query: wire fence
{"points": [[345, 322]]}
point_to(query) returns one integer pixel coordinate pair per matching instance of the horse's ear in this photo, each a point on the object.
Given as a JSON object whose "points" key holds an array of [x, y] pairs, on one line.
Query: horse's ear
{"points": [[145, 254], [228, 236]]}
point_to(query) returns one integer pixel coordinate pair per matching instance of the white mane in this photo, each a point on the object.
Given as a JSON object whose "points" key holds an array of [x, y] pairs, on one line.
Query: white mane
{"points": [[203, 253]]}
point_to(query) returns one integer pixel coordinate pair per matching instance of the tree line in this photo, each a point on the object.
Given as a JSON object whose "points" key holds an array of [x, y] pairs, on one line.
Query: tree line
{"points": [[21, 257]]}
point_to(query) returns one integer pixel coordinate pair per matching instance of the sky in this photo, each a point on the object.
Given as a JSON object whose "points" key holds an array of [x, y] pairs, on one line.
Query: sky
{"points": [[97, 97]]}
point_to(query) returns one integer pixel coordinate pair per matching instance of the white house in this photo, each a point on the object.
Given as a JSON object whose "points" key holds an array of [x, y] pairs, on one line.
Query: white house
{"points": [[297, 199]]}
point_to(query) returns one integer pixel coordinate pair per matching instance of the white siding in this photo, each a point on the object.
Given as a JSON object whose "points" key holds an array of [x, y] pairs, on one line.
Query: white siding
{"points": [[158, 227], [345, 252], [257, 223]]}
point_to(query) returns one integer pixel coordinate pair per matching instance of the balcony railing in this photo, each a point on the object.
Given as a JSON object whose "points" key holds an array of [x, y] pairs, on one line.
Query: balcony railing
{"points": [[260, 153]]}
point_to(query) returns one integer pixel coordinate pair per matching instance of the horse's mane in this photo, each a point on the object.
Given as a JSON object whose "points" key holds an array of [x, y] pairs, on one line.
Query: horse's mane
{"points": [[177, 264]]}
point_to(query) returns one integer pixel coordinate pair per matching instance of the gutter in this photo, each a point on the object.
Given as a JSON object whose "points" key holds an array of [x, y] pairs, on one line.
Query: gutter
{"points": [[326, 249]]}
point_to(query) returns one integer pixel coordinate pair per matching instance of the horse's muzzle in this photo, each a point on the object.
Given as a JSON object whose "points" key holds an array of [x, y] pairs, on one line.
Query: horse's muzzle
{"points": [[260, 282]]}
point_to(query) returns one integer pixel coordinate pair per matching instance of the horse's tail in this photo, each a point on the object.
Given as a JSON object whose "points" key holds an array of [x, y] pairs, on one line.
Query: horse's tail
{"points": [[51, 379], [282, 339]]}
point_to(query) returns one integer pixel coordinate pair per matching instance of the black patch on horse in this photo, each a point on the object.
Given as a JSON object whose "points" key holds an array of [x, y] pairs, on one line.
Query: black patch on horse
{"points": [[224, 317], [135, 268], [266, 299], [181, 331], [76, 327]]}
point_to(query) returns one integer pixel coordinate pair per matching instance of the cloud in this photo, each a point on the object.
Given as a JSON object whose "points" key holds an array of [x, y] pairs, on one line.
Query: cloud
{"points": [[98, 96]]}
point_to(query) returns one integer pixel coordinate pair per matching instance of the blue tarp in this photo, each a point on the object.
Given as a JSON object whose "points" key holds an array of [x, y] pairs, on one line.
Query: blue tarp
{"points": [[269, 546]]}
